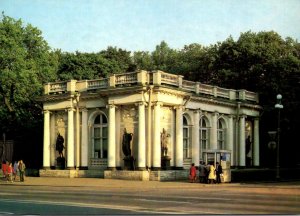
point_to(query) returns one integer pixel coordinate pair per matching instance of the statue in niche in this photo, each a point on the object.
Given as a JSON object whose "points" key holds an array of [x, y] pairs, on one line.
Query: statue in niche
{"points": [[60, 144], [127, 137], [164, 142]]}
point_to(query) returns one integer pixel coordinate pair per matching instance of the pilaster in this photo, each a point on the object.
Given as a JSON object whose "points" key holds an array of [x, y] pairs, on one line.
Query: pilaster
{"points": [[179, 137], [242, 146], [229, 137], [156, 137], [84, 138], [70, 145], [196, 141], [141, 136], [213, 134], [111, 163], [256, 143], [46, 150]]}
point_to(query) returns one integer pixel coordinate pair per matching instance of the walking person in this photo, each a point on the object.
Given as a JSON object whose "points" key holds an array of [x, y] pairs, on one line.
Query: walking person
{"points": [[219, 171], [16, 168], [22, 168], [4, 169], [202, 172], [9, 172], [193, 173], [212, 174]]}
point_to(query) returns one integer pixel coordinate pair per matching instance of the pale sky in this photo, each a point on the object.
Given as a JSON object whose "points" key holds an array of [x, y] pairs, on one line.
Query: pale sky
{"points": [[140, 25]]}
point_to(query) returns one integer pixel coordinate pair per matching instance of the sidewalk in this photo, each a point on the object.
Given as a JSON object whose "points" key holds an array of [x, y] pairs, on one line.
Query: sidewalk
{"points": [[116, 183]]}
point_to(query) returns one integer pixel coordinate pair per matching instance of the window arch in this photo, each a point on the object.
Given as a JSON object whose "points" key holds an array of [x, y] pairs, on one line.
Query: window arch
{"points": [[221, 134], [186, 139], [99, 136], [204, 133]]}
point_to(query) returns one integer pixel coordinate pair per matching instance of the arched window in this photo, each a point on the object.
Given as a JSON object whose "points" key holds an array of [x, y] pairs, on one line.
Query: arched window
{"points": [[221, 134], [100, 137], [203, 127], [186, 142]]}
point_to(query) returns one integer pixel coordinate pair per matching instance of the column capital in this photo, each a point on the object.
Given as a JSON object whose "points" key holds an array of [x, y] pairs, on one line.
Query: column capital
{"points": [[231, 116], [243, 116], [216, 113], [70, 109], [84, 109], [47, 111], [157, 103], [179, 107], [140, 103], [112, 105]]}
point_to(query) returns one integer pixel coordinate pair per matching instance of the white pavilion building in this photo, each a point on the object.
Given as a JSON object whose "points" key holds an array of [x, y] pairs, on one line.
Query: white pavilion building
{"points": [[91, 116]]}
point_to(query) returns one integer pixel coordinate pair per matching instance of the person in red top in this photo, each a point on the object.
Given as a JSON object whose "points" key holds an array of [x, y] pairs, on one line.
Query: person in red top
{"points": [[4, 169], [9, 172], [193, 173]]}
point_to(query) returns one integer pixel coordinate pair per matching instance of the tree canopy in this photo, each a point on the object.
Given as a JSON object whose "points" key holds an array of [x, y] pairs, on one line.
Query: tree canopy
{"points": [[25, 64]]}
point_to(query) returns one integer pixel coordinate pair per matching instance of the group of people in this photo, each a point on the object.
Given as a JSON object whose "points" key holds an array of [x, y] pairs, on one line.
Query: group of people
{"points": [[10, 171], [208, 174]]}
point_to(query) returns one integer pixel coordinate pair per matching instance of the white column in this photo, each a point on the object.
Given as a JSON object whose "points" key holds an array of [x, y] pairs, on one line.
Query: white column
{"points": [[256, 143], [84, 138], [156, 138], [179, 137], [70, 146], [242, 155], [46, 150], [214, 133], [112, 137], [53, 134], [196, 143], [142, 137], [229, 137]]}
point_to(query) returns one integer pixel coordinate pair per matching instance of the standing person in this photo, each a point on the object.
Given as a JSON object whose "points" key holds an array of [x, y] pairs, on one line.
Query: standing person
{"points": [[202, 172], [9, 172], [22, 168], [193, 173], [4, 169], [212, 174], [15, 171], [219, 171]]}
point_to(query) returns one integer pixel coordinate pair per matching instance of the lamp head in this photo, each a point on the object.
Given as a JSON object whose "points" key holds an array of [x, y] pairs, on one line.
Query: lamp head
{"points": [[279, 97]]}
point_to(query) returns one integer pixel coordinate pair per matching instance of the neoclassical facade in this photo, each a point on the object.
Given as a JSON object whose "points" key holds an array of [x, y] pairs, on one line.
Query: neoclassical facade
{"points": [[92, 115]]}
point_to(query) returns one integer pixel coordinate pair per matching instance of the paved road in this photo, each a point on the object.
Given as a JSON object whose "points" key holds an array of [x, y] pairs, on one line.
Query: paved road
{"points": [[83, 196]]}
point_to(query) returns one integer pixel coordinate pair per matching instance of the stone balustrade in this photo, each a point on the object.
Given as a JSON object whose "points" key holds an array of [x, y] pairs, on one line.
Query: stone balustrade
{"points": [[156, 78]]}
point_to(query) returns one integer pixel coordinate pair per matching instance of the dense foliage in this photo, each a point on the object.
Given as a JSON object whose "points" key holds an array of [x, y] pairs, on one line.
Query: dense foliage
{"points": [[262, 62]]}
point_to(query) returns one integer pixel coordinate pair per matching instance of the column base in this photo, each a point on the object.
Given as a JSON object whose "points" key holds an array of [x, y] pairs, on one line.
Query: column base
{"points": [[156, 168], [46, 168], [83, 168], [112, 168], [178, 168]]}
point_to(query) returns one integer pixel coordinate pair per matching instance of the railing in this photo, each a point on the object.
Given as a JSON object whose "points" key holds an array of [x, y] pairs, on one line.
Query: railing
{"points": [[153, 78], [128, 78], [97, 84], [58, 87], [251, 96], [169, 79], [206, 89], [189, 85], [222, 92]]}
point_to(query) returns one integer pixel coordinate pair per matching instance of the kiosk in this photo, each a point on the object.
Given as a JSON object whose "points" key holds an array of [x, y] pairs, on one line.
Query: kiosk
{"points": [[221, 156]]}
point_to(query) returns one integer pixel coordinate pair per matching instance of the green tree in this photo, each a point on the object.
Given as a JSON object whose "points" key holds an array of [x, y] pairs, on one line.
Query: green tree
{"points": [[25, 64], [119, 57], [82, 66]]}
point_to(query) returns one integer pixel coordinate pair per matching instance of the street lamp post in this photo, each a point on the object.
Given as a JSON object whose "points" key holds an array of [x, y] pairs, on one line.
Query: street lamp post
{"points": [[278, 106]]}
